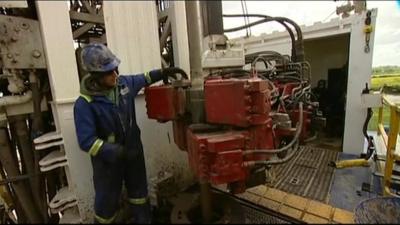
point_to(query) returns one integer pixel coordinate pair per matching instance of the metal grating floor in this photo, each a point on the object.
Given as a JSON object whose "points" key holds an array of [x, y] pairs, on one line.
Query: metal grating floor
{"points": [[307, 175]]}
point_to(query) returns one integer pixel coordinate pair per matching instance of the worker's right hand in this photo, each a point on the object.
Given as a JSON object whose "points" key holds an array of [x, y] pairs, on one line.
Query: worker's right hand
{"points": [[172, 71]]}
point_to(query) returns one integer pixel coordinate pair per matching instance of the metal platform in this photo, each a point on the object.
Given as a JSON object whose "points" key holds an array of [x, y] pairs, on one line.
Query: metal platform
{"points": [[307, 175], [299, 193], [295, 208]]}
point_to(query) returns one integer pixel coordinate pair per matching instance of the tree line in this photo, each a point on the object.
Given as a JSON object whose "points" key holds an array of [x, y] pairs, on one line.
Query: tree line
{"points": [[381, 70]]}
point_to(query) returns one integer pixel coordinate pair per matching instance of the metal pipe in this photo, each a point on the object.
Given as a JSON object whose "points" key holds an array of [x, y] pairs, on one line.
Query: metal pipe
{"points": [[25, 146], [274, 162], [195, 36], [206, 201], [212, 17], [38, 184], [37, 126], [16, 99], [21, 190]]}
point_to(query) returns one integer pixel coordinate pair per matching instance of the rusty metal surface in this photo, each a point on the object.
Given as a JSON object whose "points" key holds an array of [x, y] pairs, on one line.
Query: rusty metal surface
{"points": [[383, 210], [21, 43], [229, 210], [307, 175]]}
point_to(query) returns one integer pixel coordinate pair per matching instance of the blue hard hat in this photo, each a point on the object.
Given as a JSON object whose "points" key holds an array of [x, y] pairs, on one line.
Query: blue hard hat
{"points": [[98, 58]]}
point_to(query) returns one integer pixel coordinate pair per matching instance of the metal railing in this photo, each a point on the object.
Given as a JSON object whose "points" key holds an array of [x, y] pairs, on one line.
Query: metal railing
{"points": [[390, 140]]}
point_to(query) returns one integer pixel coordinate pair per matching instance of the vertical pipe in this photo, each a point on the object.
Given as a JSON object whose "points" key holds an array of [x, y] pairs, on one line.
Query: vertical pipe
{"points": [[37, 125], [206, 202], [212, 17], [15, 203], [20, 189], [14, 145], [31, 165], [38, 187], [195, 36]]}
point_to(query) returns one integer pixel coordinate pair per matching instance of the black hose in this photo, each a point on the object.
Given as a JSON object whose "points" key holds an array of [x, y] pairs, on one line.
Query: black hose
{"points": [[370, 113], [299, 46], [289, 30]]}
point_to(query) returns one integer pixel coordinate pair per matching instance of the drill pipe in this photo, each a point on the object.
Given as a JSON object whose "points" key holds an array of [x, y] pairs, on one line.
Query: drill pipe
{"points": [[22, 191]]}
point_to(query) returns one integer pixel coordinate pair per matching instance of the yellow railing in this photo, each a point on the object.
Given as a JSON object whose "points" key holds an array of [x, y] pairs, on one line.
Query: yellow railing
{"points": [[390, 140]]}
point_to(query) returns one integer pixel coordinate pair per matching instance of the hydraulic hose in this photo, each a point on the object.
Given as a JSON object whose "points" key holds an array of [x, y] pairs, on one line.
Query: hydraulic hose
{"points": [[298, 46], [274, 162], [285, 148], [369, 138], [269, 17]]}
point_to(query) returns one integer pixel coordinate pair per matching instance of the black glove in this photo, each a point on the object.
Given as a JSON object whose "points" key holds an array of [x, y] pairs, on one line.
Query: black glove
{"points": [[113, 155], [172, 71], [164, 74]]}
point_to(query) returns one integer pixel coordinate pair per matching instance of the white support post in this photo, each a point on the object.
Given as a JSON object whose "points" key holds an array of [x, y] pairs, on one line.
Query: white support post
{"points": [[177, 13], [360, 71], [63, 75]]}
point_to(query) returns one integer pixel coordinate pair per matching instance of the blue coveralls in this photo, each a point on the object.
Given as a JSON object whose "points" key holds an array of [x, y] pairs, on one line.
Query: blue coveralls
{"points": [[101, 128]]}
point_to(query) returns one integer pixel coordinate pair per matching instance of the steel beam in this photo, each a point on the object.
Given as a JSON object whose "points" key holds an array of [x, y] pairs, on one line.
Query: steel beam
{"points": [[86, 17], [81, 30], [165, 34]]}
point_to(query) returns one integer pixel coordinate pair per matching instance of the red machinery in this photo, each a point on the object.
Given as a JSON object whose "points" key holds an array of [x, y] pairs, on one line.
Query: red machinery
{"points": [[248, 120], [236, 122]]}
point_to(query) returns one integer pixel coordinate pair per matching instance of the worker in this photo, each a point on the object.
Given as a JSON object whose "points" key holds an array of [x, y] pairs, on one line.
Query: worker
{"points": [[106, 128]]}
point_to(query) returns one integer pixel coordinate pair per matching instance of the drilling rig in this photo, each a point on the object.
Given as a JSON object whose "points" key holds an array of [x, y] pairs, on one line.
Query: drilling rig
{"points": [[237, 115], [234, 114]]}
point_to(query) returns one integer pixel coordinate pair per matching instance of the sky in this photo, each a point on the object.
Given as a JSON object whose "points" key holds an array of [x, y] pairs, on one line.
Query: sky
{"points": [[387, 32]]}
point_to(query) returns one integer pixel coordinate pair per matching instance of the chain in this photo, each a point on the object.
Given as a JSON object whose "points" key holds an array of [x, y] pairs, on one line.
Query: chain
{"points": [[367, 31]]}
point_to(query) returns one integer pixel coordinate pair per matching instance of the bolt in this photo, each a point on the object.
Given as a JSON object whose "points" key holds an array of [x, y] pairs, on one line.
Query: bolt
{"points": [[16, 29], [36, 53], [25, 26], [9, 55]]}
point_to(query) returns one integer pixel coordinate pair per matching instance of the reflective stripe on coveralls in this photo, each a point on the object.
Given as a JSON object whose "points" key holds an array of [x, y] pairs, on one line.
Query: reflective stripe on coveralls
{"points": [[88, 98], [138, 201], [147, 77], [105, 221], [96, 147]]}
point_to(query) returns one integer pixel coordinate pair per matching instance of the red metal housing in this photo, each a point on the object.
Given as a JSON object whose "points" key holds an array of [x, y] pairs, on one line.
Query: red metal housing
{"points": [[243, 106], [237, 102]]}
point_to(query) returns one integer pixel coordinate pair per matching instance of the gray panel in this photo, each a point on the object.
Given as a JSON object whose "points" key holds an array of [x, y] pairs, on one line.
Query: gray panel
{"points": [[21, 43]]}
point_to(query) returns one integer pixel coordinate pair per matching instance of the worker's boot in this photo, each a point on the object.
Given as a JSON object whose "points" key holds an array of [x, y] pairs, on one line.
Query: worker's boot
{"points": [[141, 213]]}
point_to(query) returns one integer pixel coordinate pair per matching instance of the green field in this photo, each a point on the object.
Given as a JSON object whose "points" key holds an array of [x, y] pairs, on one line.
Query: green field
{"points": [[391, 80], [376, 83], [373, 123]]}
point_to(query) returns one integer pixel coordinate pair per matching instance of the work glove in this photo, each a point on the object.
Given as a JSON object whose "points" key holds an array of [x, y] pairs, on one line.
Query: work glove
{"points": [[163, 74], [171, 72], [113, 155]]}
